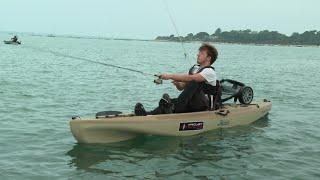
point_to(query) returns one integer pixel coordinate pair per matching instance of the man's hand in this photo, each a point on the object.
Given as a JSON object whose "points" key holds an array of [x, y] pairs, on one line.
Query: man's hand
{"points": [[165, 76]]}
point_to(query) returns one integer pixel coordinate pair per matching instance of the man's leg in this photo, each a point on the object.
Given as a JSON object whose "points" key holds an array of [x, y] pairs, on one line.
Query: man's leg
{"points": [[199, 102], [157, 110], [191, 99], [165, 106]]}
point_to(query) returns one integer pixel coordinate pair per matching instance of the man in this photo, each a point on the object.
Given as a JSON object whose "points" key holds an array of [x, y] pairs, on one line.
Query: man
{"points": [[14, 39], [200, 81]]}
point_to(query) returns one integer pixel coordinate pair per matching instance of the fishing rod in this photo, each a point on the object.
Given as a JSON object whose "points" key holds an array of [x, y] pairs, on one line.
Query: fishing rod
{"points": [[156, 81], [186, 57]]}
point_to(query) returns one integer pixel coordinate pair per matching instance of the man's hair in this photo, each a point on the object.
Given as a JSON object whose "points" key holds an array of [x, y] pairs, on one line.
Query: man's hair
{"points": [[211, 51]]}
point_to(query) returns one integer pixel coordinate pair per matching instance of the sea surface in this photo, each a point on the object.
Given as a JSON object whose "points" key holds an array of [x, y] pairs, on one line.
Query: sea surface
{"points": [[47, 80]]}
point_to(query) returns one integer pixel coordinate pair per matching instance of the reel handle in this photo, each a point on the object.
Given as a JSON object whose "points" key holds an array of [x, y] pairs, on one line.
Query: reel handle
{"points": [[159, 80]]}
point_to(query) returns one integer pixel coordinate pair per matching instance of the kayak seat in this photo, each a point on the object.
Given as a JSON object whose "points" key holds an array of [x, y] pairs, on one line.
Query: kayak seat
{"points": [[214, 98]]}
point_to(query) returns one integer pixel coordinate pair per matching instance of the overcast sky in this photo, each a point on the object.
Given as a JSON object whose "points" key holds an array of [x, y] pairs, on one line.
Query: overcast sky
{"points": [[147, 19]]}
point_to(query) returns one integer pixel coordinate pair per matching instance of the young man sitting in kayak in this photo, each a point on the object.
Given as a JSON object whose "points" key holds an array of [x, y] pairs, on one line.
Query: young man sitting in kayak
{"points": [[200, 80]]}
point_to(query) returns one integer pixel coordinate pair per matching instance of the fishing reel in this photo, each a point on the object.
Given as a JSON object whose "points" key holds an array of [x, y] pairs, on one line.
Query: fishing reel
{"points": [[158, 80]]}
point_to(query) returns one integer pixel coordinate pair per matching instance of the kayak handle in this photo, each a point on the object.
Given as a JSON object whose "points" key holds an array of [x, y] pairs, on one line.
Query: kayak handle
{"points": [[223, 112]]}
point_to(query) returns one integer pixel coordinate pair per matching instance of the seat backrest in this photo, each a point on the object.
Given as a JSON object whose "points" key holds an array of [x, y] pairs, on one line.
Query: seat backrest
{"points": [[215, 97]]}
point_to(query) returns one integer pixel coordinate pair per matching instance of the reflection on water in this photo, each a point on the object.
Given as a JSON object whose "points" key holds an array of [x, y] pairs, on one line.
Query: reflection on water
{"points": [[208, 147]]}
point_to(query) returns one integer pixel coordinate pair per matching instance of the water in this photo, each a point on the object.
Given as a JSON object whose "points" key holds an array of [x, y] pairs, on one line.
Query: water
{"points": [[40, 91]]}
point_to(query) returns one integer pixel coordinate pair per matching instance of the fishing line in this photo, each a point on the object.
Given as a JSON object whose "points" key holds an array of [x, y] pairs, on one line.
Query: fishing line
{"points": [[88, 60], [186, 57]]}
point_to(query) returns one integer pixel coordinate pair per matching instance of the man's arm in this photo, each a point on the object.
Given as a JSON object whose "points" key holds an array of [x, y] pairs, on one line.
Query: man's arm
{"points": [[183, 77]]}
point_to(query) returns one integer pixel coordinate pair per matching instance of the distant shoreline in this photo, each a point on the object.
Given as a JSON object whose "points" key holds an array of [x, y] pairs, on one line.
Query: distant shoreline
{"points": [[155, 40], [265, 37], [252, 44]]}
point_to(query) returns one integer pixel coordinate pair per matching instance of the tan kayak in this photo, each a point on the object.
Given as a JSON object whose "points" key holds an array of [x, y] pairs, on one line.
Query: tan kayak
{"points": [[124, 127]]}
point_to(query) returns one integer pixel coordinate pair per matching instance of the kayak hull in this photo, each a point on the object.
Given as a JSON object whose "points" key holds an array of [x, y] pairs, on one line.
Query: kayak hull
{"points": [[116, 129], [11, 42]]}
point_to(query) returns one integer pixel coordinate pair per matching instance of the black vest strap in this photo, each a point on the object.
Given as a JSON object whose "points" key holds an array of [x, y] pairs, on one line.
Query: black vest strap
{"points": [[191, 69], [200, 69]]}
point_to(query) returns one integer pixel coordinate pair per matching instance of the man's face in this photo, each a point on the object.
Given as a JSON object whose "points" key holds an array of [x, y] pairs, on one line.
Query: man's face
{"points": [[203, 57]]}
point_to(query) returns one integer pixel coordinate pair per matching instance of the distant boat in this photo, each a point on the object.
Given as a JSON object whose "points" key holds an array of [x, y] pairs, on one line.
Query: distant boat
{"points": [[51, 35], [12, 42]]}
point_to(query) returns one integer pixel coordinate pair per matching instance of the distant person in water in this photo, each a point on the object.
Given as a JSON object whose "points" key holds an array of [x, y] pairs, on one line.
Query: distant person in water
{"points": [[14, 39], [198, 86]]}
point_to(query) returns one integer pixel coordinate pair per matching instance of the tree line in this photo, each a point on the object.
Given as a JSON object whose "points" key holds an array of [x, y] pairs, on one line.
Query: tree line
{"points": [[248, 36]]}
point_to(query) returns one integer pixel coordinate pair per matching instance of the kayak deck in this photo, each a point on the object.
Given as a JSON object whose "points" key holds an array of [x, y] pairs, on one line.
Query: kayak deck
{"points": [[124, 127]]}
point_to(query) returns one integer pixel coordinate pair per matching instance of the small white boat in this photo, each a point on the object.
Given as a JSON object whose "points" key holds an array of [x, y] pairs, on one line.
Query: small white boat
{"points": [[120, 127]]}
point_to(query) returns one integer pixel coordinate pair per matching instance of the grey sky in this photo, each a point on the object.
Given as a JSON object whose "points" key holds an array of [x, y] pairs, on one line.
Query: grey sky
{"points": [[148, 18]]}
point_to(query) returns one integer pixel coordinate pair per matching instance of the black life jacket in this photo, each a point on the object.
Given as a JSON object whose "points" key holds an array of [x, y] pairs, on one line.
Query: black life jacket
{"points": [[213, 92], [207, 88]]}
